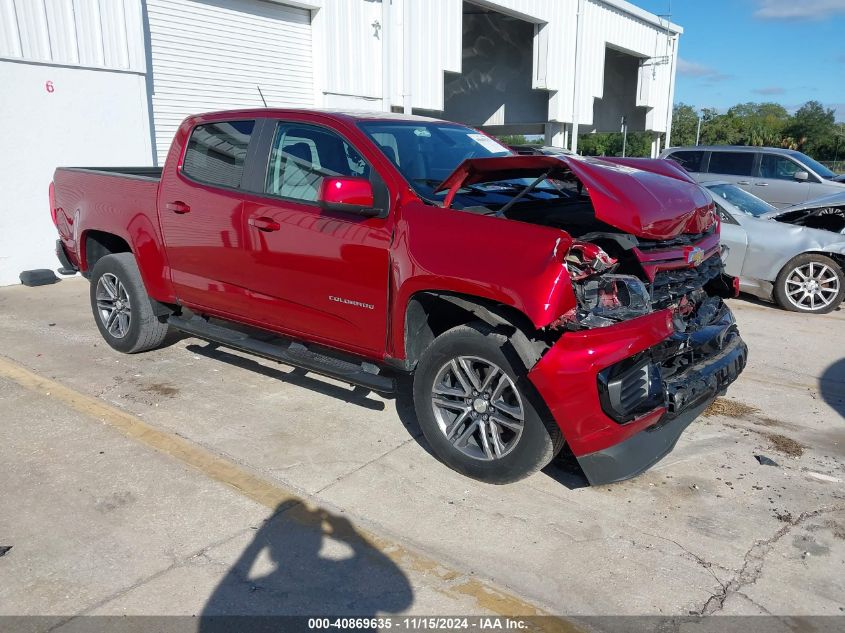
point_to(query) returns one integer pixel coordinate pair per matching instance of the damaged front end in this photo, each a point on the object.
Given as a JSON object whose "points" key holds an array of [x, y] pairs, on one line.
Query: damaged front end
{"points": [[669, 375], [652, 331], [635, 339]]}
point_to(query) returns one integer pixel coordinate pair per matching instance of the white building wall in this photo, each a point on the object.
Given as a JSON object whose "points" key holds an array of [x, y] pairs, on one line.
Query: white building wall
{"points": [[607, 25], [435, 48], [92, 117], [74, 93], [90, 33]]}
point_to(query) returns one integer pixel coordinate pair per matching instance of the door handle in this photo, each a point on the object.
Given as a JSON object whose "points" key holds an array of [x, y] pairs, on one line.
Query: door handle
{"points": [[742, 182], [264, 224], [761, 184], [177, 207]]}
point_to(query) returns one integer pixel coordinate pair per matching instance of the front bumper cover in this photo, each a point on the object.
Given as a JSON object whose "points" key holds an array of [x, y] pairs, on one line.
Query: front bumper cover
{"points": [[686, 371], [687, 395]]}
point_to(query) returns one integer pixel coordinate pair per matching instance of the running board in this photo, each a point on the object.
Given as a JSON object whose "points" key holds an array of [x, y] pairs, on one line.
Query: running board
{"points": [[295, 354]]}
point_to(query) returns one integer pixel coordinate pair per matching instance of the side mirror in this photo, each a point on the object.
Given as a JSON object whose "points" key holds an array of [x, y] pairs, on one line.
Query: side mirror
{"points": [[348, 195], [802, 176]]}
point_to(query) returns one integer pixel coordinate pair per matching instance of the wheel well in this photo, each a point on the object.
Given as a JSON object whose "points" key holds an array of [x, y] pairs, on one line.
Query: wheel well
{"points": [[839, 258], [430, 314], [99, 244]]}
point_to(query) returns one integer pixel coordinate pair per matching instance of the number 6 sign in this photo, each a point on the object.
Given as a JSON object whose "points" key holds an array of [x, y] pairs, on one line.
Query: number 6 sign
{"points": [[49, 86]]}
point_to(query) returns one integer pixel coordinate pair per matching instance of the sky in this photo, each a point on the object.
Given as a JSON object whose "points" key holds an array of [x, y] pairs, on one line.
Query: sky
{"points": [[733, 51]]}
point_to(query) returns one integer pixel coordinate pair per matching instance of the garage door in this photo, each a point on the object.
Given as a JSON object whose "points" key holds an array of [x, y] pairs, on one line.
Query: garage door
{"points": [[212, 54]]}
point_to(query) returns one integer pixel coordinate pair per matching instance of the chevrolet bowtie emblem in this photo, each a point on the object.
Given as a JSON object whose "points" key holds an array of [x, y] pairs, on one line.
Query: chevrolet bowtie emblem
{"points": [[695, 256]]}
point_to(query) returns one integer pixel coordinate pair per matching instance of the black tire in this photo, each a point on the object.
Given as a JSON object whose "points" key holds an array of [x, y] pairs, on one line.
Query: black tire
{"points": [[144, 331], [540, 439], [789, 277]]}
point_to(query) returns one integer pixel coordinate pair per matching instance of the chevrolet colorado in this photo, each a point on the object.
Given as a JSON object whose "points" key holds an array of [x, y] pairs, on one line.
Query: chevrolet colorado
{"points": [[535, 300]]}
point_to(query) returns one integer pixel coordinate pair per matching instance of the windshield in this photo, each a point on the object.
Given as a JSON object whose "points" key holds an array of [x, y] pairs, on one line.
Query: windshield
{"points": [[426, 153], [744, 201], [816, 166]]}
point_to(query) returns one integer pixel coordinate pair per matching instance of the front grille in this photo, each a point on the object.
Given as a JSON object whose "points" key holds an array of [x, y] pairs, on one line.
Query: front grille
{"points": [[670, 285], [674, 242]]}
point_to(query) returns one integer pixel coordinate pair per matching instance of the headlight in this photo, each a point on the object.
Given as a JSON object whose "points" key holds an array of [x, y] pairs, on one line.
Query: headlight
{"points": [[607, 299]]}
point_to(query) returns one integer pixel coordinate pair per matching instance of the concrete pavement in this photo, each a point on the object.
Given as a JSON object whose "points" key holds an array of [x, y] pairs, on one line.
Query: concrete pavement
{"points": [[134, 530]]}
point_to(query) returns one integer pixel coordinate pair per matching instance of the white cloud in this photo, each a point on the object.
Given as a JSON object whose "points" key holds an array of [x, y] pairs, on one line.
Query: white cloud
{"points": [[700, 71], [770, 90], [798, 9]]}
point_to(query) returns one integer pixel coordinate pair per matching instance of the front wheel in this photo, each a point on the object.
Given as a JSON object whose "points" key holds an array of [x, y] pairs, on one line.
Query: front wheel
{"points": [[121, 306], [476, 408], [810, 283]]}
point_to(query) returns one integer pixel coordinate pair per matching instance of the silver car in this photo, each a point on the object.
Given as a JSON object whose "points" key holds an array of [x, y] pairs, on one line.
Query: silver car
{"points": [[781, 177], [793, 256]]}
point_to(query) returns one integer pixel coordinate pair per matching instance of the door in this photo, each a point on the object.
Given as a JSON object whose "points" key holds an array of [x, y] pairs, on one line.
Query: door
{"points": [[777, 184], [200, 208], [735, 167], [734, 240], [216, 55], [316, 274]]}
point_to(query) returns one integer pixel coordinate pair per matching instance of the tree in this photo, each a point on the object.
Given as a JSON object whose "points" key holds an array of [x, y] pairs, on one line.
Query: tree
{"points": [[610, 144], [684, 124], [811, 125]]}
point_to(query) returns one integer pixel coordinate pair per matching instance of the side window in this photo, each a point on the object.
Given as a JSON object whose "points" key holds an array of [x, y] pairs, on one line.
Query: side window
{"points": [[733, 163], [216, 152], [778, 167], [688, 159], [301, 155]]}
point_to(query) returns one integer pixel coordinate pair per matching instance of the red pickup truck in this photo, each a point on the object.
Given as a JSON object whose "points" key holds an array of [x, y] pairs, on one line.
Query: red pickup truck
{"points": [[536, 300]]}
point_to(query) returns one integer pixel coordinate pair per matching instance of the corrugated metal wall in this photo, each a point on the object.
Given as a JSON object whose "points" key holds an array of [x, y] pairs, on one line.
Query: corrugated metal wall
{"points": [[214, 56], [110, 34], [90, 33], [606, 25], [354, 66]]}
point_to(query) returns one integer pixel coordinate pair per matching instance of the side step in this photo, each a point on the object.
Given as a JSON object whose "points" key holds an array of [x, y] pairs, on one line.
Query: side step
{"points": [[296, 354]]}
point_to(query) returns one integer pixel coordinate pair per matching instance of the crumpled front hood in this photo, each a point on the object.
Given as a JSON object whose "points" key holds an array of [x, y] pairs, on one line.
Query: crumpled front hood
{"points": [[654, 200]]}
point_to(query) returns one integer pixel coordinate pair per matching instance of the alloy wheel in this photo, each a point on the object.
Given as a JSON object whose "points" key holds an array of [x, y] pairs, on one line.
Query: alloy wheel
{"points": [[812, 286], [478, 408], [113, 305]]}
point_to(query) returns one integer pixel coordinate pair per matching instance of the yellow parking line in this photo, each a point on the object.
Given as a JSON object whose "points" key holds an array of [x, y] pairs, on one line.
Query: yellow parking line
{"points": [[456, 585]]}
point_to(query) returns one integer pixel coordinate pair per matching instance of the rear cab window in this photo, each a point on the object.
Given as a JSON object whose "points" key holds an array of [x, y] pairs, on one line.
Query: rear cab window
{"points": [[216, 153], [732, 163]]}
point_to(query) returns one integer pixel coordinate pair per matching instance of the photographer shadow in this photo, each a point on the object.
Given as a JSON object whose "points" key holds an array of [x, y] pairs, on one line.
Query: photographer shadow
{"points": [[305, 562]]}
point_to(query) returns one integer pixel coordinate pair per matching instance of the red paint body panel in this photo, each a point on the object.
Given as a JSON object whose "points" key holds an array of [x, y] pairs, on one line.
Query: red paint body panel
{"points": [[125, 207], [439, 249], [566, 379]]}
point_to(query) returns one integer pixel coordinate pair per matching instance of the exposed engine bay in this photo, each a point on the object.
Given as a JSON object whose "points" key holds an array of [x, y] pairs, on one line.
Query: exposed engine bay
{"points": [[826, 218], [610, 283]]}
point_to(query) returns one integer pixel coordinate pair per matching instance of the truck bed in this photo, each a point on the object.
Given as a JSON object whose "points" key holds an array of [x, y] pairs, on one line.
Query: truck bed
{"points": [[115, 201], [151, 173]]}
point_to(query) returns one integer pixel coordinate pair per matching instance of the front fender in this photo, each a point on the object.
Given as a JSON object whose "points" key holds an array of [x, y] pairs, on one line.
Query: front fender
{"points": [[516, 264]]}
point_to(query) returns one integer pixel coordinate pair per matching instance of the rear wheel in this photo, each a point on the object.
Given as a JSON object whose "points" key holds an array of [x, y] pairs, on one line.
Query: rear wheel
{"points": [[477, 410], [810, 283], [121, 306]]}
